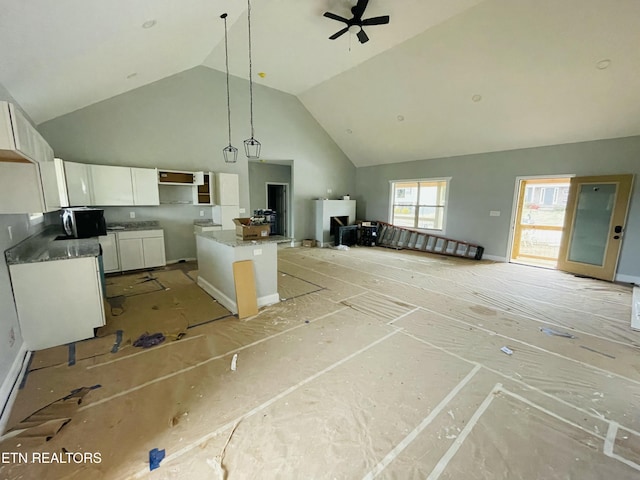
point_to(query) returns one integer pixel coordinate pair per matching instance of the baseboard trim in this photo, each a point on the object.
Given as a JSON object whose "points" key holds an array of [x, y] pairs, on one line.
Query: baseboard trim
{"points": [[230, 304], [627, 279], [171, 262], [11, 384], [494, 258], [635, 309]]}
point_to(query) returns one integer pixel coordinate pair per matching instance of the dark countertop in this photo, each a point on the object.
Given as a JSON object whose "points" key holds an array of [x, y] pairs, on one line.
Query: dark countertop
{"points": [[43, 247]]}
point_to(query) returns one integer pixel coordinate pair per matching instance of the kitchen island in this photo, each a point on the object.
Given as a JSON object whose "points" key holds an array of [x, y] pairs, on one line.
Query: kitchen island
{"points": [[218, 250]]}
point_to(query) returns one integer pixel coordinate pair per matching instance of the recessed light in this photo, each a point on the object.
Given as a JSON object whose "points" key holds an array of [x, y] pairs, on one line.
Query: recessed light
{"points": [[349, 131], [131, 75], [602, 64], [400, 118], [149, 24], [476, 98]]}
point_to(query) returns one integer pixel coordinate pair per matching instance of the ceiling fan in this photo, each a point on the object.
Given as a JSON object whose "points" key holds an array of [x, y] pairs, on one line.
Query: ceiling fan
{"points": [[357, 21]]}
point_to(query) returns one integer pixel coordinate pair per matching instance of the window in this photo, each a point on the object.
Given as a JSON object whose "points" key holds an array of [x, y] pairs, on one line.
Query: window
{"points": [[419, 203]]}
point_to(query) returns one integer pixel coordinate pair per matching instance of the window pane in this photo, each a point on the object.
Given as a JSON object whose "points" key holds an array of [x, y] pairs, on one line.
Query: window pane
{"points": [[404, 216], [405, 193], [428, 194], [431, 217]]}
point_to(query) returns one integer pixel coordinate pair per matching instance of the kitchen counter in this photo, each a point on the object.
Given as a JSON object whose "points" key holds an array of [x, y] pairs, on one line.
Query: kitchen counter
{"points": [[133, 226], [43, 247], [206, 223]]}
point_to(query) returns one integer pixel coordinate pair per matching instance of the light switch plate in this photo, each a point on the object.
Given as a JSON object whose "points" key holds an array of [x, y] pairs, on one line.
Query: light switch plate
{"points": [[494, 213], [242, 210], [257, 251]]}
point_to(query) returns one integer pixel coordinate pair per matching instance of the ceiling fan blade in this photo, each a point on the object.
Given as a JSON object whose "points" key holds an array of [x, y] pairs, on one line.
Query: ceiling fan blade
{"points": [[376, 20], [333, 16], [359, 9], [337, 34], [363, 37]]}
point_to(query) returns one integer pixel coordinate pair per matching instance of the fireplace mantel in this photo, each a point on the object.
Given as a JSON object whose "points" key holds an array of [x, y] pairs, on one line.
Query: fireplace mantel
{"points": [[324, 210]]}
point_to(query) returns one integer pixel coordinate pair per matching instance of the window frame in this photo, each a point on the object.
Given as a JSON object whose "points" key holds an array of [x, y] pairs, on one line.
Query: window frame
{"points": [[417, 205]]}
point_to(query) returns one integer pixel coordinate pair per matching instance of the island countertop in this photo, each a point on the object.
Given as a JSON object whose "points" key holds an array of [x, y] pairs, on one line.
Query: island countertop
{"points": [[229, 238]]}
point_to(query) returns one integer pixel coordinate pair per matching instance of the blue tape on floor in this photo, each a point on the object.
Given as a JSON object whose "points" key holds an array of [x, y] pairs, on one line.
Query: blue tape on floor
{"points": [[116, 346], [72, 354], [155, 457], [24, 379]]}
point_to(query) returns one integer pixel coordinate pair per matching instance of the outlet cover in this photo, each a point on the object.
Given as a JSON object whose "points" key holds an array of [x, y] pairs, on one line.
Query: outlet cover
{"points": [[494, 213], [257, 251], [132, 214], [202, 213], [242, 210]]}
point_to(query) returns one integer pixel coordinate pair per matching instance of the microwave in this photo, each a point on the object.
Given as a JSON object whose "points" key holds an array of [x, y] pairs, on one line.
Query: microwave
{"points": [[83, 222]]}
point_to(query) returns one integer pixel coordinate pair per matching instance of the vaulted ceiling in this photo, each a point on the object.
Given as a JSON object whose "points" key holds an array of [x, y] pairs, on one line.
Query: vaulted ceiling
{"points": [[443, 78]]}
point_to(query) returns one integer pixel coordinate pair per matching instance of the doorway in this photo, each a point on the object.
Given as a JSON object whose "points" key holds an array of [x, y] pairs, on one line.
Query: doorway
{"points": [[539, 220], [278, 201]]}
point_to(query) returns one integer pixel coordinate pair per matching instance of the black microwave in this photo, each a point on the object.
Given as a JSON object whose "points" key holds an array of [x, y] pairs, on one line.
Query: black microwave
{"points": [[83, 222]]}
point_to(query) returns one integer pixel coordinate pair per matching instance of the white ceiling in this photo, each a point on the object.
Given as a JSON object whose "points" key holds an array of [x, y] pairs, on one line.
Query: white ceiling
{"points": [[533, 62]]}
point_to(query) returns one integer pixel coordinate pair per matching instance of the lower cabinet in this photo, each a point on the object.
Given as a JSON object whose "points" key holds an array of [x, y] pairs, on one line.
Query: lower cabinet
{"points": [[70, 303], [141, 249], [110, 258]]}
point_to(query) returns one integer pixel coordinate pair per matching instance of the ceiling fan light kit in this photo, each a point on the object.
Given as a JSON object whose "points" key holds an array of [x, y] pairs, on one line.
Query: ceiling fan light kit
{"points": [[355, 24]]}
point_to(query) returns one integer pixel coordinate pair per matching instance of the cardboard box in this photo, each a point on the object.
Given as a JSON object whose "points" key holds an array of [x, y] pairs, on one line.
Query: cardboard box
{"points": [[308, 243], [250, 232]]}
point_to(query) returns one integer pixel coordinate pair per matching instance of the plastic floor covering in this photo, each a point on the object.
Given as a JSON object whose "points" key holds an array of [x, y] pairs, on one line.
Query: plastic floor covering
{"points": [[376, 364]]}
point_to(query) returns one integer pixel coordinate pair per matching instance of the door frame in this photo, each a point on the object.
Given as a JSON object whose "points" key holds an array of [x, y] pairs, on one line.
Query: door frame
{"points": [[287, 202], [610, 265], [514, 206]]}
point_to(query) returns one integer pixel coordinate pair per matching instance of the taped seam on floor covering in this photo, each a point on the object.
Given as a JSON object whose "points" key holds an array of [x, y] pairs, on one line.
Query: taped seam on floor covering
{"points": [[503, 336], [521, 382], [204, 362], [457, 443], [421, 426], [262, 406], [521, 314], [157, 347]]}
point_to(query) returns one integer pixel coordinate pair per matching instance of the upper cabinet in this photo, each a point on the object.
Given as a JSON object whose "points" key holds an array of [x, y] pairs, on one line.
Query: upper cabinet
{"points": [[111, 185], [145, 186], [78, 185], [227, 189]]}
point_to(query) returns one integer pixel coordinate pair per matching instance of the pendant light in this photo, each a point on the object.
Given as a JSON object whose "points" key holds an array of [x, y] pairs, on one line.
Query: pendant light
{"points": [[230, 152], [251, 145]]}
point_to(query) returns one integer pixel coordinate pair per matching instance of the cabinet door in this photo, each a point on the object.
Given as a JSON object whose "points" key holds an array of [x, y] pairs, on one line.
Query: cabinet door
{"points": [[110, 252], [145, 186], [69, 301], [111, 185], [153, 249], [25, 136], [131, 253], [53, 185], [78, 186], [227, 189]]}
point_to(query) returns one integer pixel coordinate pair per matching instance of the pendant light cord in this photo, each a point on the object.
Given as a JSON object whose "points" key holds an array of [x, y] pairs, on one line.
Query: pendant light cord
{"points": [[250, 67], [226, 57]]}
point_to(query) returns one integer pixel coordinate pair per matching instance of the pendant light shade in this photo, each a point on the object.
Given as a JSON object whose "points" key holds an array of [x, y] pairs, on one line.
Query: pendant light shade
{"points": [[251, 145], [229, 152]]}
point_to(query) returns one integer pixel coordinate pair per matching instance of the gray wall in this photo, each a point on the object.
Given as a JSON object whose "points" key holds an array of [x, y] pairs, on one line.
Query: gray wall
{"points": [[180, 122], [259, 175], [485, 182]]}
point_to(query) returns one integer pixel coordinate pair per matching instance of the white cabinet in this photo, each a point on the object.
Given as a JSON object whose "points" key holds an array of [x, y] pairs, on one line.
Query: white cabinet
{"points": [[110, 257], [18, 138], [203, 194], [224, 215], [145, 186], [110, 185], [141, 249], [54, 184], [78, 185], [69, 300], [20, 188], [227, 189]]}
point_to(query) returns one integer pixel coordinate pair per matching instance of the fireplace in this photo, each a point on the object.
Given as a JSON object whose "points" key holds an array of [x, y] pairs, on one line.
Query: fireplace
{"points": [[329, 216]]}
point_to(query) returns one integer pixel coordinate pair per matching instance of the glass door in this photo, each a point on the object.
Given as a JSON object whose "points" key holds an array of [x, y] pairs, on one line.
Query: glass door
{"points": [[594, 225]]}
